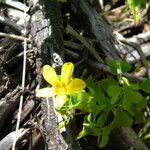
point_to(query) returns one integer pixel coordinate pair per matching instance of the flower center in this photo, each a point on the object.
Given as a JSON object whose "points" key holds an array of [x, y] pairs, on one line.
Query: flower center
{"points": [[60, 88]]}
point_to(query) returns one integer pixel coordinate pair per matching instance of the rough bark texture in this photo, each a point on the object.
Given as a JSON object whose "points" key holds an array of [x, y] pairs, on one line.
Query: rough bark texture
{"points": [[97, 26], [7, 104], [46, 25], [46, 30], [127, 139]]}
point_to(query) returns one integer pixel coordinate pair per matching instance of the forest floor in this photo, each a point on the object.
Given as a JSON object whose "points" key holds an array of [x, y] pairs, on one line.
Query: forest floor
{"points": [[85, 43]]}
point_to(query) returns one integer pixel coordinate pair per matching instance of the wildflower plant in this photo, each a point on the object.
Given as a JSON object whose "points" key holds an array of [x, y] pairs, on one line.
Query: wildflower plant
{"points": [[106, 103]]}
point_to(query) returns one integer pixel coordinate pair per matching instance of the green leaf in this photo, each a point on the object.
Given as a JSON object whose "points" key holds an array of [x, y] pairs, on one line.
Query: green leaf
{"points": [[142, 104], [82, 101], [113, 89], [125, 67], [104, 140], [131, 98], [104, 85], [123, 119], [134, 86], [91, 129], [107, 83], [102, 119], [108, 129], [97, 111], [103, 137], [61, 125], [90, 82], [145, 86], [139, 117], [114, 92], [82, 134], [96, 90], [105, 133], [133, 5], [88, 118], [145, 136], [122, 66]]}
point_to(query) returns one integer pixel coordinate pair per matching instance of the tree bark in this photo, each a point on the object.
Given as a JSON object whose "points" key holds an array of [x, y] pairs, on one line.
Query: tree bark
{"points": [[127, 139], [97, 26], [46, 31]]}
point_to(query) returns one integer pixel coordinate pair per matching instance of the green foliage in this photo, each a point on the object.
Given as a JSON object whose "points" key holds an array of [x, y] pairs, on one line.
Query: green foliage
{"points": [[131, 98], [114, 92], [145, 86], [123, 119], [116, 66], [108, 103], [81, 101], [104, 140], [134, 6], [144, 132]]}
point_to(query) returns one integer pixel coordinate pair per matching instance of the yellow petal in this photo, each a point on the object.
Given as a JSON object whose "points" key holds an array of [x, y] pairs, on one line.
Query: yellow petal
{"points": [[50, 75], [60, 100], [75, 85], [66, 72], [45, 92]]}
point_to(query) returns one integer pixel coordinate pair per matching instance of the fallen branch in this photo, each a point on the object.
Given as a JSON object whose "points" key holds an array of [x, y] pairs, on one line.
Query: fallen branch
{"points": [[7, 142], [135, 46], [8, 103], [13, 36], [15, 4], [98, 27], [71, 31], [6, 21], [105, 68]]}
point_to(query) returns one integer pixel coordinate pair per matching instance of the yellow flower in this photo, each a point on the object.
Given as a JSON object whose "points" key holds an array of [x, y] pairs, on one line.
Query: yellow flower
{"points": [[62, 85]]}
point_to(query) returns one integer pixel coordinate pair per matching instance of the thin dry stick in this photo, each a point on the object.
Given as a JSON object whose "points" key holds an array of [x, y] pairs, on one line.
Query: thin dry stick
{"points": [[21, 98], [91, 49], [140, 52], [13, 36], [135, 46], [23, 86]]}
